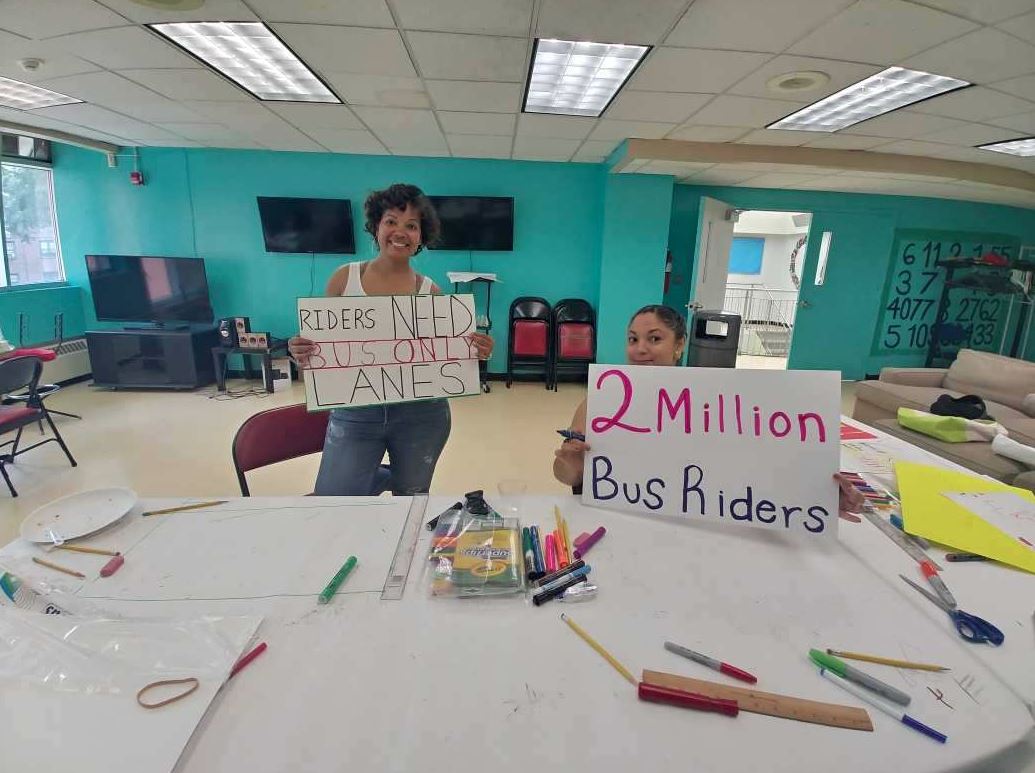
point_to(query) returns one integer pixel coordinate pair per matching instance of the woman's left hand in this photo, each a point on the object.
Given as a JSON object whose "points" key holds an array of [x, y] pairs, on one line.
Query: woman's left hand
{"points": [[484, 344], [849, 499]]}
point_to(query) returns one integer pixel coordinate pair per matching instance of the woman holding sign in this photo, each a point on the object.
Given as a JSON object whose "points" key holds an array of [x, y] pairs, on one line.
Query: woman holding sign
{"points": [[656, 336], [402, 221]]}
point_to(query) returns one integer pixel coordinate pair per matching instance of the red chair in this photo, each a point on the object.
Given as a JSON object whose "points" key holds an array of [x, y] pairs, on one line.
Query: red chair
{"points": [[529, 343], [23, 373], [44, 390], [275, 436], [574, 344]]}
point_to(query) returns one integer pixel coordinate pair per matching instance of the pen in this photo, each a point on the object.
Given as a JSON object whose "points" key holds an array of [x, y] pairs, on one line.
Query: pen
{"points": [[845, 671], [866, 697], [570, 434], [928, 570], [332, 587], [712, 663]]}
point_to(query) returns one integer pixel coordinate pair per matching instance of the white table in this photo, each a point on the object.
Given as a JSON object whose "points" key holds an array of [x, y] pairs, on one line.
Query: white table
{"points": [[496, 684]]}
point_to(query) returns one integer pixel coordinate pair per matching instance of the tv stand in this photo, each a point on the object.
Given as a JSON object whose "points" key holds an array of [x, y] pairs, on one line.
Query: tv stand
{"points": [[160, 326], [152, 358]]}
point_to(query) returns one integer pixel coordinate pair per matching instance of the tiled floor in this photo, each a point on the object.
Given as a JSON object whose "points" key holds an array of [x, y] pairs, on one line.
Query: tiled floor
{"points": [[178, 444]]}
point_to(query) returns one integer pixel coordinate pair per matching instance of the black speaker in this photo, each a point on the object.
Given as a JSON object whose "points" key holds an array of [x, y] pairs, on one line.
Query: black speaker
{"points": [[228, 332]]}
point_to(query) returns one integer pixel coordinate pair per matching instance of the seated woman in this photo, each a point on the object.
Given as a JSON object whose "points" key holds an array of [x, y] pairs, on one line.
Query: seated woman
{"points": [[657, 336]]}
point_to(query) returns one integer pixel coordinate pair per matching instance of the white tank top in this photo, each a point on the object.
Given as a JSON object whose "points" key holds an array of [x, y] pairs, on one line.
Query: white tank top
{"points": [[354, 284]]}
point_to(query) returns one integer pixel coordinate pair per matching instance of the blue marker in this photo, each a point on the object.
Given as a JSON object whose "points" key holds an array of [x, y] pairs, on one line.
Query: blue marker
{"points": [[570, 434]]}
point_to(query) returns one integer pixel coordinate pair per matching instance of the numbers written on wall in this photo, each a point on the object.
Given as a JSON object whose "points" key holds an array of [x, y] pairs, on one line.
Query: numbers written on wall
{"points": [[913, 289]]}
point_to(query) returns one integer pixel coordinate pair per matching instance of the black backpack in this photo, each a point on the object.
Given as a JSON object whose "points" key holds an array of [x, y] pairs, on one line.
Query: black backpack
{"points": [[967, 407]]}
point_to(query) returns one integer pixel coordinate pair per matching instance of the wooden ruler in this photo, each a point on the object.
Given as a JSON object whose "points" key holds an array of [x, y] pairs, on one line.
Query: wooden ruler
{"points": [[767, 703]]}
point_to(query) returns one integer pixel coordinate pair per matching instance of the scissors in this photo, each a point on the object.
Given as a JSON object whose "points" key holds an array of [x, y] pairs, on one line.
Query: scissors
{"points": [[970, 627]]}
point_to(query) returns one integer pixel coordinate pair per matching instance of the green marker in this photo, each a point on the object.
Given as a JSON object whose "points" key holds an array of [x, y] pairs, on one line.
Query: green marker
{"points": [[845, 671], [332, 587]]}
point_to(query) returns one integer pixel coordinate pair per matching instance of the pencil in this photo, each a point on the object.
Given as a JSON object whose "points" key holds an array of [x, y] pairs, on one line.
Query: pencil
{"points": [[600, 650], [184, 507], [57, 568], [96, 551], [560, 533], [567, 538], [887, 661]]}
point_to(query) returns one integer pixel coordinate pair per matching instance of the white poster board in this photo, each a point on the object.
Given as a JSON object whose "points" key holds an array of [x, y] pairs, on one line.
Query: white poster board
{"points": [[375, 350], [732, 447]]}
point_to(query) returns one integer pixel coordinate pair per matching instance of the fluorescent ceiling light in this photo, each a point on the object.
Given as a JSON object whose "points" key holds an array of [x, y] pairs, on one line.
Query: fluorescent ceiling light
{"points": [[888, 90], [578, 78], [249, 54], [1022, 147], [25, 96]]}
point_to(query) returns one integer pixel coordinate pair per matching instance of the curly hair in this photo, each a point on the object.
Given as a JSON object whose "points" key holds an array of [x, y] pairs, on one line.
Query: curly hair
{"points": [[398, 196], [669, 317]]}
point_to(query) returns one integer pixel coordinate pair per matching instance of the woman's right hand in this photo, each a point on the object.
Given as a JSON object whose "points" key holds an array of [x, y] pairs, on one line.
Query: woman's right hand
{"points": [[570, 461], [301, 349]]}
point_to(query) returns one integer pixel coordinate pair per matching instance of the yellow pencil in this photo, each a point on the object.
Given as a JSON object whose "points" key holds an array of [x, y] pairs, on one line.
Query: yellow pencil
{"points": [[181, 508], [96, 551], [59, 568], [602, 652], [567, 539], [560, 532], [887, 661]]}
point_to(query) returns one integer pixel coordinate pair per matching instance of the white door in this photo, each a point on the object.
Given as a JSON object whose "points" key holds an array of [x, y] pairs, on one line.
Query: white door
{"points": [[712, 257]]}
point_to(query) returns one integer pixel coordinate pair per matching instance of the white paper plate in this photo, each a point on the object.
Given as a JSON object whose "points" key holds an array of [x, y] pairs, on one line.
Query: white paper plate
{"points": [[78, 515]]}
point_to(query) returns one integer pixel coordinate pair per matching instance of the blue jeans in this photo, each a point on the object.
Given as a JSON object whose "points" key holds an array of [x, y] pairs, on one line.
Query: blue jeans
{"points": [[413, 434]]}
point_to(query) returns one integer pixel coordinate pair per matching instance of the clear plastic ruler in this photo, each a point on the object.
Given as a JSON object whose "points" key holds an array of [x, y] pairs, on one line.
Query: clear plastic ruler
{"points": [[897, 536], [395, 581]]}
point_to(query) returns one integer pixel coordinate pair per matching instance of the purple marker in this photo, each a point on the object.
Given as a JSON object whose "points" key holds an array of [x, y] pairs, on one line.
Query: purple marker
{"points": [[585, 541]]}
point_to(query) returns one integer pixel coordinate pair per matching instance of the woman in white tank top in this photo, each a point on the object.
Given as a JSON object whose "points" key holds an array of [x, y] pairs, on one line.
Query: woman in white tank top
{"points": [[402, 221]]}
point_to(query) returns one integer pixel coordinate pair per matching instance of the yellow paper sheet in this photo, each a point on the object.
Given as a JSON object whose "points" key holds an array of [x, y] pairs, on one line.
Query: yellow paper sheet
{"points": [[927, 513]]}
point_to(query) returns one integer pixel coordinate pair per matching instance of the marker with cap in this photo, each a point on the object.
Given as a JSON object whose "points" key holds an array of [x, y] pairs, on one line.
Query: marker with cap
{"points": [[845, 671], [712, 663], [928, 570]]}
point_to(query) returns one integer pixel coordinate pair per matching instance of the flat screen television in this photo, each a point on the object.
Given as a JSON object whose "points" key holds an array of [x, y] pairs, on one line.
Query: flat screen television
{"points": [[307, 225], [475, 223], [135, 288]]}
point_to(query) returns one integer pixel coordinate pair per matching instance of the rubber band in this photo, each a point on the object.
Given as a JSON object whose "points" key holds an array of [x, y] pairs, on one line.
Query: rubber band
{"points": [[165, 683]]}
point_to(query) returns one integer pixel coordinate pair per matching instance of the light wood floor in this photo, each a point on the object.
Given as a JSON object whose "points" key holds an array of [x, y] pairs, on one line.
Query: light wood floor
{"points": [[178, 444]]}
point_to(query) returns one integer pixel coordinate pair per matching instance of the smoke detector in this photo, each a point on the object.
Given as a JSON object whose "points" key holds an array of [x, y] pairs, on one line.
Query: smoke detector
{"points": [[30, 64], [794, 82]]}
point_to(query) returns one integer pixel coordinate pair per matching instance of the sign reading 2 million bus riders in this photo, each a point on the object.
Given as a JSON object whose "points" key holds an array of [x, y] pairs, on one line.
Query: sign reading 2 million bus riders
{"points": [[914, 286]]}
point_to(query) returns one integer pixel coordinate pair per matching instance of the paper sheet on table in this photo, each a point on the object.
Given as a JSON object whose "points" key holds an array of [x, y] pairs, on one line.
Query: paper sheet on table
{"points": [[1007, 511], [53, 726], [927, 513]]}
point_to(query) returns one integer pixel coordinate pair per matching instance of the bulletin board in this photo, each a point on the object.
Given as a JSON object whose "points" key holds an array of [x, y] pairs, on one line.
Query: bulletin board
{"points": [[914, 285]]}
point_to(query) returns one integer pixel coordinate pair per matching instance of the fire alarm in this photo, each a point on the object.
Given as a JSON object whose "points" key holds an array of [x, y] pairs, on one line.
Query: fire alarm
{"points": [[136, 178]]}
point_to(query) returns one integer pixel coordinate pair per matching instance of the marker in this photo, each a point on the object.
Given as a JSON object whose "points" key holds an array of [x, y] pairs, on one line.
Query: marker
{"points": [[570, 434], [928, 570], [687, 700], [559, 573], [959, 557], [112, 566], [244, 661], [559, 589], [537, 550], [580, 571], [712, 663], [526, 544], [332, 587], [866, 697], [585, 541], [845, 671], [551, 554], [898, 523]]}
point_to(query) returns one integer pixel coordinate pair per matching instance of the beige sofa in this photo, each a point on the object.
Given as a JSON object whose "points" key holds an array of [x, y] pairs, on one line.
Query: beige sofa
{"points": [[1005, 384]]}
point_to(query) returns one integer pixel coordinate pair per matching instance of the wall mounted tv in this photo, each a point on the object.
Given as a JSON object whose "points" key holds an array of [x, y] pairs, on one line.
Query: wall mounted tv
{"points": [[135, 288], [307, 225], [483, 223]]}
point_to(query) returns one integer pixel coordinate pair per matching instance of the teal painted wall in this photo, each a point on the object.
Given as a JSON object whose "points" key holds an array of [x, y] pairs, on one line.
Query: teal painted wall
{"points": [[40, 306], [202, 202], [637, 215], [836, 332], [682, 242]]}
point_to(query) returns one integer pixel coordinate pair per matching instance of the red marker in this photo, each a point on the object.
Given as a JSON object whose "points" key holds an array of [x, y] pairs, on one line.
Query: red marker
{"points": [[712, 663], [244, 661], [688, 700]]}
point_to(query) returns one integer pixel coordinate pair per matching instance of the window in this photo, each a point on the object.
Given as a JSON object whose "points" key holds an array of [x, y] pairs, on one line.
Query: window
{"points": [[32, 251], [746, 255]]}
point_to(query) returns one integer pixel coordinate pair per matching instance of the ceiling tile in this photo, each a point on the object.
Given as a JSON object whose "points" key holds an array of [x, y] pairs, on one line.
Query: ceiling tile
{"points": [[985, 11], [750, 112], [845, 142], [559, 126], [202, 131], [284, 138], [498, 124], [210, 10], [379, 90], [485, 17], [597, 148], [881, 32], [47, 18], [751, 25], [418, 146], [841, 74], [55, 63], [902, 125], [694, 70], [1022, 123], [974, 104], [317, 116], [188, 84], [116, 92], [694, 133], [235, 143], [125, 48], [474, 146], [655, 106], [1021, 27], [587, 158], [640, 23], [239, 115], [544, 148], [981, 57], [469, 57], [175, 142], [1022, 87], [354, 13], [970, 134], [101, 119], [775, 137], [348, 49], [608, 129], [348, 141], [476, 97], [397, 119]]}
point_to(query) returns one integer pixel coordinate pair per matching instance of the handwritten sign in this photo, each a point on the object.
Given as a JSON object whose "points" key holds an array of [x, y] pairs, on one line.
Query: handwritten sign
{"points": [[714, 445], [375, 350]]}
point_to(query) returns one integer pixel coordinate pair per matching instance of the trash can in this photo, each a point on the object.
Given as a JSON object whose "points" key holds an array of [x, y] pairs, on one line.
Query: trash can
{"points": [[713, 340]]}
